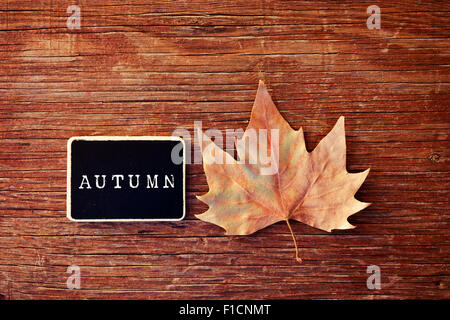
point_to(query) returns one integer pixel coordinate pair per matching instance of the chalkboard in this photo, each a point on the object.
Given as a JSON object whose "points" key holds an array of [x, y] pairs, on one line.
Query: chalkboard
{"points": [[125, 179]]}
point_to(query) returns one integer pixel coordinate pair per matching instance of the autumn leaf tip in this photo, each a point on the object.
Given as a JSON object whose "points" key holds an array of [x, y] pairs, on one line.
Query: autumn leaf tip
{"points": [[199, 216], [202, 198], [262, 87]]}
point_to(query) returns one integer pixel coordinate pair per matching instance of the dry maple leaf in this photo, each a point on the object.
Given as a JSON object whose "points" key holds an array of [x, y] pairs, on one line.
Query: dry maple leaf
{"points": [[311, 187]]}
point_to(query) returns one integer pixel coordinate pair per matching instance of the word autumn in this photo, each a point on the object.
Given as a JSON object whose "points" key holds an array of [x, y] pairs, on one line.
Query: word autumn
{"points": [[132, 181]]}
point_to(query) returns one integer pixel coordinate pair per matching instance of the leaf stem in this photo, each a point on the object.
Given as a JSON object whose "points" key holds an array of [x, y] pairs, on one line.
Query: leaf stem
{"points": [[295, 242]]}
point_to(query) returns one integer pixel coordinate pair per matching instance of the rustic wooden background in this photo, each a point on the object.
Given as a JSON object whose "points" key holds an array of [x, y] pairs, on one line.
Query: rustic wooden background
{"points": [[146, 67]]}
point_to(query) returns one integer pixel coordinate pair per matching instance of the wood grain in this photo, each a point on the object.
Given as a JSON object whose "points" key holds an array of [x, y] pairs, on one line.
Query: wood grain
{"points": [[140, 67]]}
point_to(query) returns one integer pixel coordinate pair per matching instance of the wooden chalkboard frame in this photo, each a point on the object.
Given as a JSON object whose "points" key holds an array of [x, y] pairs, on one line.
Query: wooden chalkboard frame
{"points": [[120, 138]]}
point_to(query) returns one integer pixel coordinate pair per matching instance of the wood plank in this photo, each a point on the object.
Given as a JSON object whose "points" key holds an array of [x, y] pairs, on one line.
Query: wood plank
{"points": [[140, 67]]}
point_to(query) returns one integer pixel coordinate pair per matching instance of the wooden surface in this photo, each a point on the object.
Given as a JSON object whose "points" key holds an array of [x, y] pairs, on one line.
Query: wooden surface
{"points": [[141, 67]]}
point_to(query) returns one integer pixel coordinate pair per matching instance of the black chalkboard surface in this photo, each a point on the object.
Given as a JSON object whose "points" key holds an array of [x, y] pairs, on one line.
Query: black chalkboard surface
{"points": [[125, 179]]}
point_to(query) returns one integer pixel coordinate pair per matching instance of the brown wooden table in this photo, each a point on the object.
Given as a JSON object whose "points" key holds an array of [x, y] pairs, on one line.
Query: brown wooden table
{"points": [[141, 67]]}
